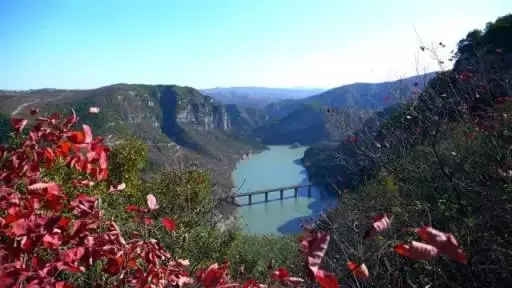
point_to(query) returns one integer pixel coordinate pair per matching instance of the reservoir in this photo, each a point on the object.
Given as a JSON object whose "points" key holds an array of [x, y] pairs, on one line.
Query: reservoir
{"points": [[279, 166]]}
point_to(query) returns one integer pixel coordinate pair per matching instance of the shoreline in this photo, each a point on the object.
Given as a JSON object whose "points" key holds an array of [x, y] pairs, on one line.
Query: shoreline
{"points": [[229, 211]]}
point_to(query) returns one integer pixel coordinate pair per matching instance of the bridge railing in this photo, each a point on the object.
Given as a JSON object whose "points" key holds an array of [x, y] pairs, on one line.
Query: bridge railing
{"points": [[232, 199]]}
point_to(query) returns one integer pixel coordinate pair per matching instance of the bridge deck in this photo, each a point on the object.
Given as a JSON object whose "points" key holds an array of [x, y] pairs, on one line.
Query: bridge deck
{"points": [[266, 192], [269, 190]]}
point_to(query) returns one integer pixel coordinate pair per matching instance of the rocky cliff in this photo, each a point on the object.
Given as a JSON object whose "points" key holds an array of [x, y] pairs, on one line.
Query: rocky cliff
{"points": [[180, 125]]}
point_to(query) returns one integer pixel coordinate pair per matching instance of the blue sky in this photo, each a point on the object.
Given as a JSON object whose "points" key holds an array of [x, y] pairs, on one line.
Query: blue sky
{"points": [[217, 43]]}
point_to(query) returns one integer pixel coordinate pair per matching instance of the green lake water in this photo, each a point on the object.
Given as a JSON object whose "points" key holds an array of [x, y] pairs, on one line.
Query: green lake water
{"points": [[277, 167]]}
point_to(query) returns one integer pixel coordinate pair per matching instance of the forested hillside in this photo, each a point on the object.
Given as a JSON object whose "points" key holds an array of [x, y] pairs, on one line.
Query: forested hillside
{"points": [[424, 186], [180, 126], [442, 159]]}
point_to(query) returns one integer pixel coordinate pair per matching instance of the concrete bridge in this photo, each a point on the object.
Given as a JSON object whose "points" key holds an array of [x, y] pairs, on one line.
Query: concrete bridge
{"points": [[232, 199]]}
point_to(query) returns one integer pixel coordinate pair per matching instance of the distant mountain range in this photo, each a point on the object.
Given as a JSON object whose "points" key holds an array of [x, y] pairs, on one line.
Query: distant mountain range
{"points": [[258, 96], [366, 96], [330, 115]]}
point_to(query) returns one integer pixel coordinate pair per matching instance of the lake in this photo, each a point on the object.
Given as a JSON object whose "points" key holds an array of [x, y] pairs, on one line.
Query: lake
{"points": [[277, 167]]}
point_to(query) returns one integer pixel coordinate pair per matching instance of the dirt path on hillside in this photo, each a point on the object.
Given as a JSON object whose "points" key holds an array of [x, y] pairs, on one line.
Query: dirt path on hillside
{"points": [[19, 108]]}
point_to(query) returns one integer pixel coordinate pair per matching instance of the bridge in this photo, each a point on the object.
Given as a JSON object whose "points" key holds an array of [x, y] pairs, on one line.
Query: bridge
{"points": [[232, 199]]}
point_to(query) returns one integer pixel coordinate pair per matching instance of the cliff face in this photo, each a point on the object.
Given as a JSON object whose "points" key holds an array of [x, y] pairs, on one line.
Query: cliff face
{"points": [[196, 110], [179, 124]]}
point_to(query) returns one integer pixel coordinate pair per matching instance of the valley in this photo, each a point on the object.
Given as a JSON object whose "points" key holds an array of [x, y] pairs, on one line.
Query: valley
{"points": [[255, 144], [279, 166], [183, 127]]}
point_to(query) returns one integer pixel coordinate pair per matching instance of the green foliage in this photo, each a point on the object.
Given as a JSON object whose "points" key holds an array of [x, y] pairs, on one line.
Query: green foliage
{"points": [[185, 196], [5, 128], [443, 160], [496, 35], [127, 159], [254, 253]]}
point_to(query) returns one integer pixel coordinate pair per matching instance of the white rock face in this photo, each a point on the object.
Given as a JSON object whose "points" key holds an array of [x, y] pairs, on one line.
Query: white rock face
{"points": [[205, 117]]}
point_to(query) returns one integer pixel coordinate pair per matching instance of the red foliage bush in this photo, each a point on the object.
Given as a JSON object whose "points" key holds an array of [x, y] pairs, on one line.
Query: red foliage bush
{"points": [[46, 231]]}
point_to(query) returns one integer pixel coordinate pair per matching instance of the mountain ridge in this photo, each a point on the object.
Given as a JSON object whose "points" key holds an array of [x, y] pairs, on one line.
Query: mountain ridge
{"points": [[257, 97], [179, 124], [182, 125]]}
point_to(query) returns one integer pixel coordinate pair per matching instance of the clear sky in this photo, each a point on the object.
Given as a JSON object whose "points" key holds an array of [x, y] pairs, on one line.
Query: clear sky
{"points": [[218, 43]]}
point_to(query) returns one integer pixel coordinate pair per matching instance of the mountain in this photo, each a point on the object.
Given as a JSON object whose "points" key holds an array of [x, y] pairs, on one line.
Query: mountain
{"points": [[310, 124], [340, 163], [479, 77], [360, 96], [179, 124], [258, 96], [182, 125], [441, 160], [246, 120], [332, 115]]}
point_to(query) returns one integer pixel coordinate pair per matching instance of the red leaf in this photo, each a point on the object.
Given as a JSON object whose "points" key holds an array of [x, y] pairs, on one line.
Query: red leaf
{"points": [[151, 200], [417, 251], [20, 227], [444, 242], [62, 284], [52, 241], [18, 123], [83, 205], [103, 160], [326, 279], [360, 271], [148, 220], [76, 137], [280, 274], [252, 284], [213, 276], [315, 248], [54, 203], [114, 265], [132, 264], [100, 174], [132, 208], [26, 244], [87, 133], [52, 189], [65, 147], [71, 120], [380, 223], [64, 222], [169, 224], [6, 282]]}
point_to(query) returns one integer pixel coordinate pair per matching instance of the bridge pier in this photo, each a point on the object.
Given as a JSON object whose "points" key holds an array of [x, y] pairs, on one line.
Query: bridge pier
{"points": [[309, 191], [266, 196], [250, 199], [281, 193], [295, 192]]}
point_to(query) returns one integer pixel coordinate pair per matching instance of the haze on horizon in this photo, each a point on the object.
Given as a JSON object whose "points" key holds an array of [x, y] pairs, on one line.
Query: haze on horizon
{"points": [[205, 44]]}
